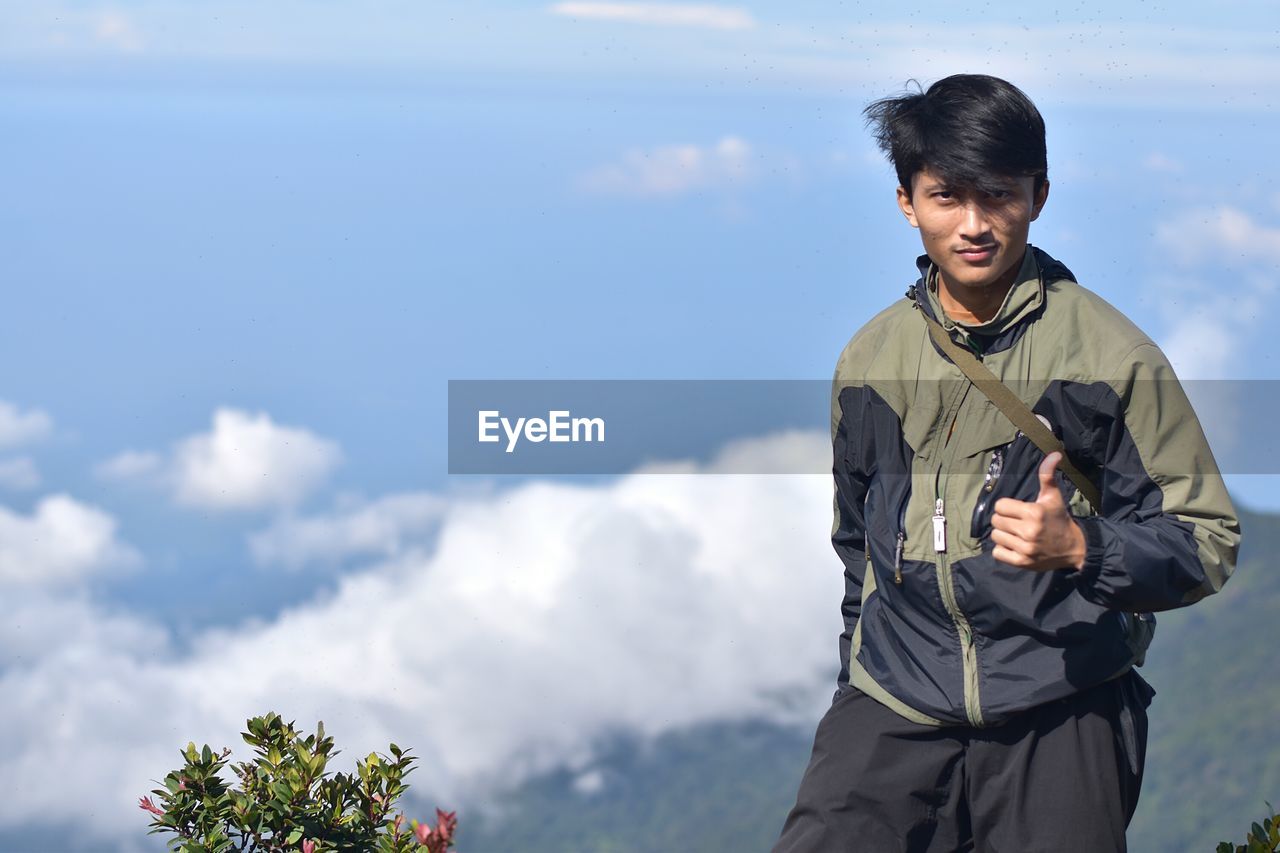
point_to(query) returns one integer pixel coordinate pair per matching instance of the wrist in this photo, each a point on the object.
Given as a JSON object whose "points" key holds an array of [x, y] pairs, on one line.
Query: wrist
{"points": [[1079, 546]]}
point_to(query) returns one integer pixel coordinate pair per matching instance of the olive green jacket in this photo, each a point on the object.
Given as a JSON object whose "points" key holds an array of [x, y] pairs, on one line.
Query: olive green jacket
{"points": [[935, 627]]}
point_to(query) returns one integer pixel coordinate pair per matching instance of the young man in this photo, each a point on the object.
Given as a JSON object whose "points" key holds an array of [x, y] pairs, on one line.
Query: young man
{"points": [[993, 615]]}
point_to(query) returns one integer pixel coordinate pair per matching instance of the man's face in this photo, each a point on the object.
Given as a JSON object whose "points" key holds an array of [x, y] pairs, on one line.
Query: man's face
{"points": [[976, 239]]}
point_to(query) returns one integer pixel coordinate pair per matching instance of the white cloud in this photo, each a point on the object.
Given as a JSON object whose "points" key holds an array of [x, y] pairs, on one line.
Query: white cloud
{"points": [[129, 465], [19, 473], [1209, 325], [668, 14], [669, 170], [248, 461], [62, 540], [384, 527], [22, 427], [245, 461], [1221, 235], [547, 616]]}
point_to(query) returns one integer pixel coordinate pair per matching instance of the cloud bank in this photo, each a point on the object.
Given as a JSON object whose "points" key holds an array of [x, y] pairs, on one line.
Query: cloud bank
{"points": [[546, 616]]}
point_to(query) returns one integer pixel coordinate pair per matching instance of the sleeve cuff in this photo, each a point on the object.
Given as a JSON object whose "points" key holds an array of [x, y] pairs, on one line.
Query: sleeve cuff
{"points": [[1094, 549]]}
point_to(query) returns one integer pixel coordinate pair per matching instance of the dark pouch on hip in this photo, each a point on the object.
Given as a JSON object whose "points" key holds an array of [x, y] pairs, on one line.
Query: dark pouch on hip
{"points": [[1133, 695]]}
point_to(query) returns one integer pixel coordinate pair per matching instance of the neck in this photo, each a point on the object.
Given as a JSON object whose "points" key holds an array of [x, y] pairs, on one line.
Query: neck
{"points": [[974, 305]]}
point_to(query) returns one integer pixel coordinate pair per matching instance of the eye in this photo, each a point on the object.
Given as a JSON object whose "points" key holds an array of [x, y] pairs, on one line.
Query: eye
{"points": [[998, 195]]}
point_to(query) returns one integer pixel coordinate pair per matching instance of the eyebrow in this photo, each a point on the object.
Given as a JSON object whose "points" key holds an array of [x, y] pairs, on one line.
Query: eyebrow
{"points": [[1005, 184]]}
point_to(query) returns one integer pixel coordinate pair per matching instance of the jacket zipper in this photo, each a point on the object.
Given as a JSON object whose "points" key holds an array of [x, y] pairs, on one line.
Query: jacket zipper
{"points": [[946, 585], [989, 480], [900, 545]]}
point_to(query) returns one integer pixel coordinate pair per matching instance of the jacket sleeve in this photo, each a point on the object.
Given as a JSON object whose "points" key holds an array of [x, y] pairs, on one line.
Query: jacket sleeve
{"points": [[1167, 533], [848, 528]]}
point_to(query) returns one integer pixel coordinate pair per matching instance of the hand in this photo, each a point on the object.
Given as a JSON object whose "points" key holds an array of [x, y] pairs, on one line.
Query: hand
{"points": [[1039, 536]]}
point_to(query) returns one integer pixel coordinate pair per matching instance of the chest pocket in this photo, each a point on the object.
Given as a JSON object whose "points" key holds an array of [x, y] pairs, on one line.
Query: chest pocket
{"points": [[980, 427], [979, 463]]}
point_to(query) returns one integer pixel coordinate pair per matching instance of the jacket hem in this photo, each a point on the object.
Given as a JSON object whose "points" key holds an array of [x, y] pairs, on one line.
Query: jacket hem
{"points": [[862, 680]]}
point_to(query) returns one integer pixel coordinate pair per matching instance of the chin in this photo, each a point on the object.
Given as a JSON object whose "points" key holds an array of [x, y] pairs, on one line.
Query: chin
{"points": [[982, 277]]}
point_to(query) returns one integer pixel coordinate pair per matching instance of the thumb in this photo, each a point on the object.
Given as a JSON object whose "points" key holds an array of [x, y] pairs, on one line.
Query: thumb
{"points": [[1048, 488]]}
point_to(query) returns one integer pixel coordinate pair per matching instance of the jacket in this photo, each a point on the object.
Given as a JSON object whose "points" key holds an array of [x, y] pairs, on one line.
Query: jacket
{"points": [[934, 627]]}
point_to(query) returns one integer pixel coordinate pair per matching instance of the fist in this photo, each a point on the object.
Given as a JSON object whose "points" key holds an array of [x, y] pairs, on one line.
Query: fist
{"points": [[1039, 536]]}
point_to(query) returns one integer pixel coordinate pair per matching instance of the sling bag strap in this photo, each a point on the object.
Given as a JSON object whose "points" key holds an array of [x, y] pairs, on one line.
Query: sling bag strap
{"points": [[1012, 406]]}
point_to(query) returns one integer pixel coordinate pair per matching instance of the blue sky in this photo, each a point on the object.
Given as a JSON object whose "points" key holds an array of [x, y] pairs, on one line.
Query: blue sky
{"points": [[247, 246]]}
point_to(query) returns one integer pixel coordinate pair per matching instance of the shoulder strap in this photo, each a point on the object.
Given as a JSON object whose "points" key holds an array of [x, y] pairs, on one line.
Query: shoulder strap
{"points": [[1012, 406]]}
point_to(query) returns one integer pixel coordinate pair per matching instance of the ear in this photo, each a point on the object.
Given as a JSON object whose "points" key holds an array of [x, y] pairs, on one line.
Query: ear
{"points": [[907, 208], [1041, 197]]}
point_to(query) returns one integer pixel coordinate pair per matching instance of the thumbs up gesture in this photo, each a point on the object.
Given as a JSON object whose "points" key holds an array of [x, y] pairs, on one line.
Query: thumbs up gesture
{"points": [[1039, 536]]}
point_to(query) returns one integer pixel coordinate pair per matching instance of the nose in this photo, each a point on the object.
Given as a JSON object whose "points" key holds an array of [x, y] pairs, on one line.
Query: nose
{"points": [[975, 223]]}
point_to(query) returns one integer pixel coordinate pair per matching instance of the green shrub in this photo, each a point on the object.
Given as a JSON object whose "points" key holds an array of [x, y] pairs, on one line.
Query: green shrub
{"points": [[286, 800], [1263, 838]]}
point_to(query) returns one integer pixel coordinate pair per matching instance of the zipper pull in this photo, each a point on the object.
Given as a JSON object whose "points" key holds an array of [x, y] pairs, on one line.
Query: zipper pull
{"points": [[939, 528], [897, 558]]}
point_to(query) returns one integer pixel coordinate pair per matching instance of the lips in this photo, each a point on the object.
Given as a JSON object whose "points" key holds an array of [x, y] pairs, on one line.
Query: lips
{"points": [[977, 253]]}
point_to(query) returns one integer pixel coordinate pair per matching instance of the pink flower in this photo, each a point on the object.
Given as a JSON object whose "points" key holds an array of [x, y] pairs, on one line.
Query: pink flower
{"points": [[146, 804], [438, 839], [448, 822], [308, 846]]}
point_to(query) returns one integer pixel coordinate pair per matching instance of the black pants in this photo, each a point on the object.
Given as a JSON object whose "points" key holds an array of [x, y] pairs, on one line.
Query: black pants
{"points": [[1063, 776]]}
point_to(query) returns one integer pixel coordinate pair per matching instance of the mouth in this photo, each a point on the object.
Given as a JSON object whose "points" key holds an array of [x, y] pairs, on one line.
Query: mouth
{"points": [[977, 254]]}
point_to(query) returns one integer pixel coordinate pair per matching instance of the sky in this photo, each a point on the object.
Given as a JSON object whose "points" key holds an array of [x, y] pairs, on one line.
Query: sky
{"points": [[247, 246]]}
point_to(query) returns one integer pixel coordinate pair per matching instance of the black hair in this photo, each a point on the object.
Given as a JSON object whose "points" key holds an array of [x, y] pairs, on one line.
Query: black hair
{"points": [[966, 128]]}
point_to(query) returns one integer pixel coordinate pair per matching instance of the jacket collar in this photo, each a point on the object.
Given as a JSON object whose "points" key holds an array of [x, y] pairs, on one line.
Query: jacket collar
{"points": [[1024, 302]]}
